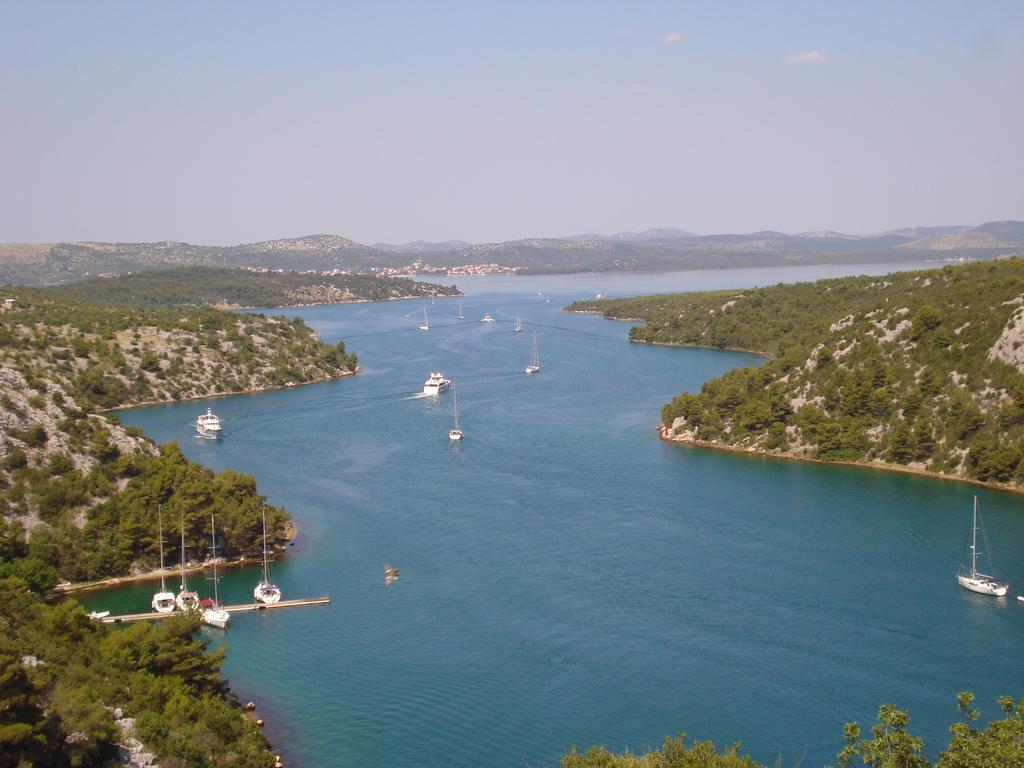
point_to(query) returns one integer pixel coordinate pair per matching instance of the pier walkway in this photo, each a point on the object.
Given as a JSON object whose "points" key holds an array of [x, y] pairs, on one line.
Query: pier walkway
{"points": [[229, 608]]}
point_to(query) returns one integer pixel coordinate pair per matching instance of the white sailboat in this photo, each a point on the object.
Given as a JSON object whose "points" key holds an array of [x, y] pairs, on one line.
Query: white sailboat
{"points": [[455, 433], [534, 365], [461, 316], [266, 591], [426, 325], [519, 325], [213, 612], [186, 600], [163, 601], [973, 579]]}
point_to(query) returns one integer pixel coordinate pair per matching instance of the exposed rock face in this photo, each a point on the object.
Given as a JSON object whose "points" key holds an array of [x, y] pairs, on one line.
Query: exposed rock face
{"points": [[1009, 347], [130, 751]]}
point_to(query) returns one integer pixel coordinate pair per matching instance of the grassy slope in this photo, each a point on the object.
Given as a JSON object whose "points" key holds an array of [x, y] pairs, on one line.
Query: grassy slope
{"points": [[918, 370]]}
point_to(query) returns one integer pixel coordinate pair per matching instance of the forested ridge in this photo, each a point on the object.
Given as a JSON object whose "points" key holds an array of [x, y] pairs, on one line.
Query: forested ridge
{"points": [[223, 287], [921, 370]]}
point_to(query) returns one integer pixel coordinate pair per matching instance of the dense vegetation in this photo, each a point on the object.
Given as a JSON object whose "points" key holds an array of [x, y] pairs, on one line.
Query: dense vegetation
{"points": [[72, 689], [1000, 744], [920, 369], [109, 356], [213, 286]]}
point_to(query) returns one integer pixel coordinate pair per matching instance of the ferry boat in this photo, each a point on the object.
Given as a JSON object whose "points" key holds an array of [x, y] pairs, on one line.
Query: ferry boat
{"points": [[436, 384], [486, 319], [266, 591], [208, 425], [163, 601], [973, 579]]}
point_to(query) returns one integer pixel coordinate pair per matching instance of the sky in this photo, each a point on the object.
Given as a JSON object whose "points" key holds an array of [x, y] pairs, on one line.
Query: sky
{"points": [[232, 122]]}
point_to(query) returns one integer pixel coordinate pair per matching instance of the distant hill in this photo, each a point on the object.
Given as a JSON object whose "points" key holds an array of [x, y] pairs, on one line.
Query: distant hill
{"points": [[216, 286], [651, 250]]}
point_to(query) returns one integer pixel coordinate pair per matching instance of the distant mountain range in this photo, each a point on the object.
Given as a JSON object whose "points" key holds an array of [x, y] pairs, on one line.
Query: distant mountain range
{"points": [[650, 250]]}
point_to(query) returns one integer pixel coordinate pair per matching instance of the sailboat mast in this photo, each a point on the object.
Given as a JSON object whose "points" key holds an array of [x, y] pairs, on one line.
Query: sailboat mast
{"points": [[183, 587], [974, 541], [265, 576], [455, 405], [160, 528], [213, 550]]}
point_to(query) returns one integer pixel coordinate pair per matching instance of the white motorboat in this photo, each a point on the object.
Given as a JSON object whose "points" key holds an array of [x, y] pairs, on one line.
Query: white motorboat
{"points": [[455, 433], [213, 612], [163, 601], [436, 383], [186, 600], [426, 325], [98, 615], [973, 579], [486, 319], [534, 365], [266, 591], [208, 425]]}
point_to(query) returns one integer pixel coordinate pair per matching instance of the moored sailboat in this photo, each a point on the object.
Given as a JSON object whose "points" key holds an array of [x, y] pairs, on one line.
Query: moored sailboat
{"points": [[973, 579], [163, 601], [461, 316], [185, 600], [266, 591], [213, 612], [519, 325], [426, 325]]}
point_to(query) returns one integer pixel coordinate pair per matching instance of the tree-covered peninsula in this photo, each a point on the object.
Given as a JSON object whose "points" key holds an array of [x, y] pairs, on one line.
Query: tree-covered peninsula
{"points": [[917, 370], [232, 288]]}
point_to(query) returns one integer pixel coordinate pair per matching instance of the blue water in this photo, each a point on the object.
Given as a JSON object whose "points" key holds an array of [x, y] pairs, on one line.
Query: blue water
{"points": [[566, 577]]}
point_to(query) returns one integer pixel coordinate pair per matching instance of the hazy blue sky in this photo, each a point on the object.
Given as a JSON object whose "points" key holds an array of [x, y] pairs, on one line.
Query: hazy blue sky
{"points": [[222, 122]]}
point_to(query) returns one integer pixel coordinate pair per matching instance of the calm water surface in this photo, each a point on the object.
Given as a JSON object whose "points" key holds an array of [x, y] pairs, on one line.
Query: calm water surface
{"points": [[566, 577]]}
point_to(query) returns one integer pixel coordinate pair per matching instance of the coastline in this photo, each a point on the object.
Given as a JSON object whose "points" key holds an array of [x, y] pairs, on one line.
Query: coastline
{"points": [[253, 391], [878, 466]]}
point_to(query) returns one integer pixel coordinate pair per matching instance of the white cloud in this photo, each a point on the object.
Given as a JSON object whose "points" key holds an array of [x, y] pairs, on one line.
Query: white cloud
{"points": [[806, 57], [673, 37]]}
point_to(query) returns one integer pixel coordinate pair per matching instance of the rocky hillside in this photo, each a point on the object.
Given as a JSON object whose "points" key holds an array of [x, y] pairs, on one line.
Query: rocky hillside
{"points": [[232, 288], [920, 370], [109, 356]]}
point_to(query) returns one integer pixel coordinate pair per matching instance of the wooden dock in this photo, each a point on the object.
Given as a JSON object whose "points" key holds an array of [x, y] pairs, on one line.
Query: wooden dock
{"points": [[246, 607]]}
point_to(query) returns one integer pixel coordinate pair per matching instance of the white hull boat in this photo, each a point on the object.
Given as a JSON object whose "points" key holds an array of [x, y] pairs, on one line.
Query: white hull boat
{"points": [[266, 591], [208, 425], [213, 612], [163, 601], [973, 579], [426, 324], [486, 319], [436, 383], [455, 433], [186, 600], [534, 366]]}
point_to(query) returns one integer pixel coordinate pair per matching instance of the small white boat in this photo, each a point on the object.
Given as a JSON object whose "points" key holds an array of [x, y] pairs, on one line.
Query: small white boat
{"points": [[1021, 598], [213, 612], [973, 579], [455, 433], [426, 325], [461, 317], [163, 601], [519, 325], [208, 425], [436, 383], [97, 615], [266, 591], [534, 365], [486, 319]]}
